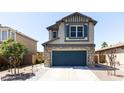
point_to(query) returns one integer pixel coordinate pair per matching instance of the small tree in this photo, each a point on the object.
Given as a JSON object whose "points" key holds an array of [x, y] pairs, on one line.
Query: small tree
{"points": [[14, 52], [112, 59], [104, 44]]}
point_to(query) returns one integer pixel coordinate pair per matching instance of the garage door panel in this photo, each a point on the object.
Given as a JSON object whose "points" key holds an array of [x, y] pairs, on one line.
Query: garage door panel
{"points": [[69, 58]]}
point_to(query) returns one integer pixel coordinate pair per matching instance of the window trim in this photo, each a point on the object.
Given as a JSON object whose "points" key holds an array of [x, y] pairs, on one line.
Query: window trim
{"points": [[76, 31], [14, 35]]}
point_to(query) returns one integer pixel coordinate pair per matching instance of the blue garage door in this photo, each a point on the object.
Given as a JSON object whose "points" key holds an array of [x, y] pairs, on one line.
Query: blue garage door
{"points": [[69, 58]]}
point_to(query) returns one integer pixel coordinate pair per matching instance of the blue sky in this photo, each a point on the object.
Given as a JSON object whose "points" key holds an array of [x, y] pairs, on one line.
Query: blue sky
{"points": [[110, 26]]}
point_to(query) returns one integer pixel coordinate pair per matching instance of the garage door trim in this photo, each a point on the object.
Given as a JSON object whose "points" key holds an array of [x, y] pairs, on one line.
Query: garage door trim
{"points": [[69, 50]]}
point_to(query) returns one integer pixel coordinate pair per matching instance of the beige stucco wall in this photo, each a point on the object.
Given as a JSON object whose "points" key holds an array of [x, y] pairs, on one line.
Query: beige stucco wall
{"points": [[91, 33], [29, 43], [119, 55], [50, 34], [61, 35]]}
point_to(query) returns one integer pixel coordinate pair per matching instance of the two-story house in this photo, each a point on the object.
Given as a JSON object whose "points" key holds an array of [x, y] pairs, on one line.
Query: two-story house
{"points": [[71, 41], [31, 44]]}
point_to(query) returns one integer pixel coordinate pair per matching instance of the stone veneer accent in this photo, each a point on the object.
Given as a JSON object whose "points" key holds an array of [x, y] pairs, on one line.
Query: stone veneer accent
{"points": [[48, 53]]}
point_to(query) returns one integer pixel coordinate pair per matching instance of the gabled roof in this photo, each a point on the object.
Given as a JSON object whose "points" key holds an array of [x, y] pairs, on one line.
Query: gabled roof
{"points": [[77, 13], [55, 26]]}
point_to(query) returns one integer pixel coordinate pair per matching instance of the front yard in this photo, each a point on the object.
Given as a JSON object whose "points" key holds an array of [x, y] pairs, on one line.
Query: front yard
{"points": [[25, 73], [105, 74], [41, 73]]}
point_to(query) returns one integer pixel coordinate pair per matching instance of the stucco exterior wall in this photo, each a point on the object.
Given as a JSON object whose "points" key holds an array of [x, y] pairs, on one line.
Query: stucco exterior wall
{"points": [[30, 44], [61, 35], [30, 57], [91, 33], [119, 55], [50, 34]]}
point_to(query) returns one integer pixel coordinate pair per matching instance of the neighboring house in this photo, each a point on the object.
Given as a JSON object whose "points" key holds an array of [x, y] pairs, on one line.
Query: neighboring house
{"points": [[118, 52], [71, 41], [31, 44]]}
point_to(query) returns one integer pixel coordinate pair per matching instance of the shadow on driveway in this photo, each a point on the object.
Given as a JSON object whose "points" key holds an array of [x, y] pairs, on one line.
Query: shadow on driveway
{"points": [[21, 76], [102, 67], [96, 67]]}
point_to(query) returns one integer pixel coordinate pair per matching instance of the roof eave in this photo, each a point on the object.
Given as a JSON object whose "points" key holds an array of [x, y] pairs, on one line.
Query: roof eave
{"points": [[50, 41], [52, 27], [26, 36], [108, 48]]}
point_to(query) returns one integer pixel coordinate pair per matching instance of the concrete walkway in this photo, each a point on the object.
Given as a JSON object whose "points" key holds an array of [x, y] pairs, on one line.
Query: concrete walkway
{"points": [[68, 74]]}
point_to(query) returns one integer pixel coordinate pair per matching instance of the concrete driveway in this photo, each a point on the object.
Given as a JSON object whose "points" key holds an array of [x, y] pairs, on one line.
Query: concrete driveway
{"points": [[68, 74]]}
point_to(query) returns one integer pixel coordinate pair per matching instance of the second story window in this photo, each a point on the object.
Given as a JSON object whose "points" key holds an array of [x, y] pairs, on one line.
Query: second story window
{"points": [[73, 31], [54, 34], [80, 31], [4, 35], [76, 31]]}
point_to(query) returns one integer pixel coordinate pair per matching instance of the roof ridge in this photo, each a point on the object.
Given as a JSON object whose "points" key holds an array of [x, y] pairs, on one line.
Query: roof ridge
{"points": [[75, 13], [25, 35]]}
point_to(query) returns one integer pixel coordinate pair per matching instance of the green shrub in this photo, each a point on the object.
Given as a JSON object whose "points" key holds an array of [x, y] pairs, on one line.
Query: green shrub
{"points": [[39, 61]]}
